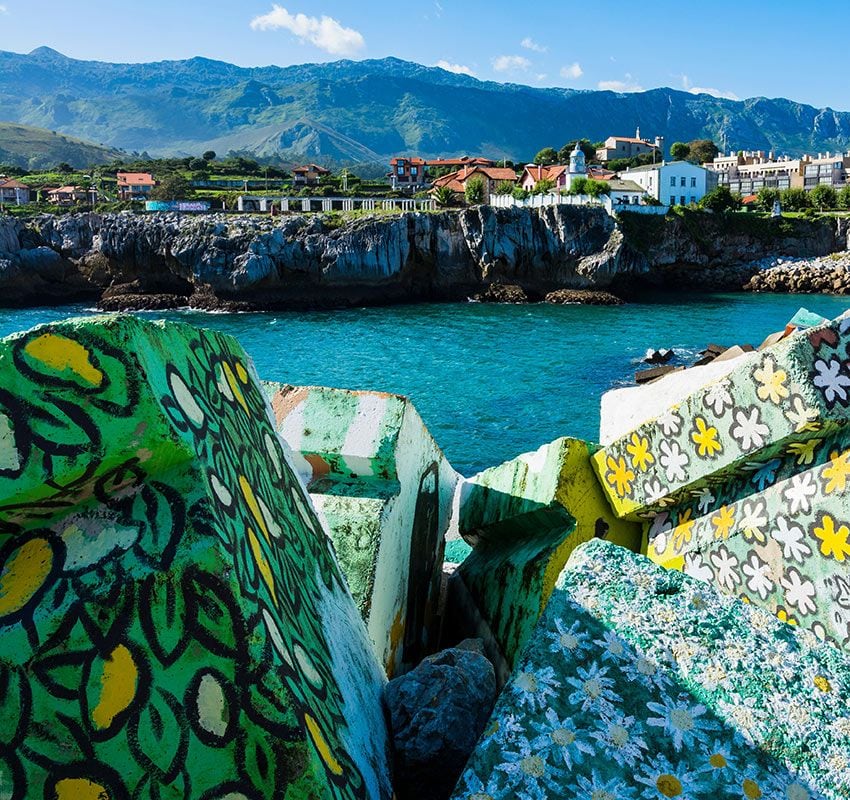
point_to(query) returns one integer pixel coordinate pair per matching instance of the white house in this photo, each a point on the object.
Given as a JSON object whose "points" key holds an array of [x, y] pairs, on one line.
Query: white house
{"points": [[671, 182], [625, 192]]}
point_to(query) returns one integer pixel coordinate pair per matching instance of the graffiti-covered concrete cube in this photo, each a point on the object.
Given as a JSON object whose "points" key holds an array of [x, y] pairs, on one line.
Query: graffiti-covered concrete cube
{"points": [[172, 619], [779, 536], [384, 489], [643, 683], [524, 518], [797, 390]]}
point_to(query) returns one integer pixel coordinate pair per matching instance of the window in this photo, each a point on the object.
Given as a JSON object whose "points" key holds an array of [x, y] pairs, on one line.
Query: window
{"points": [[414, 170], [672, 180], [693, 183], [693, 199], [683, 200], [400, 170], [683, 182], [672, 199]]}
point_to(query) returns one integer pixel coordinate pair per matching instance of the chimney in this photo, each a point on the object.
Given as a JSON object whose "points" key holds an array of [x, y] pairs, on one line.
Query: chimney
{"points": [[465, 171]]}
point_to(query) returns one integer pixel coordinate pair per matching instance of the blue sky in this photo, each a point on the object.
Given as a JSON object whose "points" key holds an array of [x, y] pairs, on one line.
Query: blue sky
{"points": [[740, 48]]}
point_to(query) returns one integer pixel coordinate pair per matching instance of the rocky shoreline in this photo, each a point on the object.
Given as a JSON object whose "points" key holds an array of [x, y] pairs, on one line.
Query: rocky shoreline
{"points": [[558, 254]]}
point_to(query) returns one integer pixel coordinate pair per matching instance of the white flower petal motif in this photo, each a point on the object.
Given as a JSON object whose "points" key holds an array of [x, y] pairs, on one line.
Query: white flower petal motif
{"points": [[748, 430], [718, 399], [682, 721], [800, 493], [799, 591], [758, 575], [696, 568], [673, 460], [832, 382], [726, 566], [670, 422], [792, 539]]}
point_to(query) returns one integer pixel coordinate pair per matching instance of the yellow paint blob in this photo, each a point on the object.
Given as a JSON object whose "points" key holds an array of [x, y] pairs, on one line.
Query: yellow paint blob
{"points": [[822, 683], [717, 760], [118, 687], [23, 574], [254, 506], [751, 790], [234, 386], [60, 353], [241, 372], [79, 789], [262, 563], [322, 746]]}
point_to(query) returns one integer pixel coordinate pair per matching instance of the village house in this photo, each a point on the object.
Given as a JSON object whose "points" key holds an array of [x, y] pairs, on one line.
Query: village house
{"points": [[70, 195], [308, 175], [491, 176], [534, 173], [135, 185], [672, 183], [13, 192], [625, 193], [616, 147], [408, 172]]}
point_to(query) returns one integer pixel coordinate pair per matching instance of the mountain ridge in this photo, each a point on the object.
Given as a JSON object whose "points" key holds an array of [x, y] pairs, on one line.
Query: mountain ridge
{"points": [[354, 111]]}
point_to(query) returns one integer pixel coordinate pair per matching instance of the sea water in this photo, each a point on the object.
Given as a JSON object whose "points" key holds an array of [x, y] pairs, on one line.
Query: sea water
{"points": [[490, 381]]}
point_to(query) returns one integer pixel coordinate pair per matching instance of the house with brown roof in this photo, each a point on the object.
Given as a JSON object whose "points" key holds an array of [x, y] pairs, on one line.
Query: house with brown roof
{"points": [[308, 174], [135, 185], [408, 172], [70, 195], [491, 176], [616, 147], [13, 192]]}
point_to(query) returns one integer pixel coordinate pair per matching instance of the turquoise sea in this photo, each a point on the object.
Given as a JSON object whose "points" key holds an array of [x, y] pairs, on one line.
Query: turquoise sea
{"points": [[490, 381]]}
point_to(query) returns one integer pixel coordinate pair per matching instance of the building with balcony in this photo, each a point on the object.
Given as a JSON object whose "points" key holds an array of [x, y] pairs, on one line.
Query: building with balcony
{"points": [[13, 193], [135, 185], [409, 173], [308, 175]]}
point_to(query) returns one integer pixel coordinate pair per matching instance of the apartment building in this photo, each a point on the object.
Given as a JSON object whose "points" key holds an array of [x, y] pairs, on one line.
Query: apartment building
{"points": [[746, 172]]}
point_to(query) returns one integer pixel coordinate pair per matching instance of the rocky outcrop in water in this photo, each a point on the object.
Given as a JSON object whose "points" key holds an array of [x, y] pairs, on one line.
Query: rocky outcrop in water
{"points": [[168, 260]]}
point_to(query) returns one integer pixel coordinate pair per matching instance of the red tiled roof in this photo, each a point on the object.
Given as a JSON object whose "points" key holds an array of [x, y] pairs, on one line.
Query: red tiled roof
{"points": [[541, 173], [311, 168], [135, 178], [459, 162], [66, 190], [416, 162], [632, 140], [11, 183]]}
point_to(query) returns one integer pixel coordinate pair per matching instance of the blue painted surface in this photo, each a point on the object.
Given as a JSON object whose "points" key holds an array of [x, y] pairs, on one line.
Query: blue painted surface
{"points": [[490, 381]]}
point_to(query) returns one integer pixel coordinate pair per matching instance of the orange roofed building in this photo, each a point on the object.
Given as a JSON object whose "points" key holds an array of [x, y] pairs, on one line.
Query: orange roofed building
{"points": [[308, 174], [135, 185], [492, 176]]}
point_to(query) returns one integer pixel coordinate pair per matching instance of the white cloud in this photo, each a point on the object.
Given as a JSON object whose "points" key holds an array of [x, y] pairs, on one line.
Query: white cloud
{"points": [[4, 10], [686, 85], [573, 71], [541, 76], [439, 9], [325, 32], [458, 69], [627, 85], [529, 44], [511, 63]]}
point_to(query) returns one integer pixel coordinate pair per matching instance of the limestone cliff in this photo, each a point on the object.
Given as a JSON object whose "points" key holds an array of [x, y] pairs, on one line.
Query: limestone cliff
{"points": [[168, 259]]}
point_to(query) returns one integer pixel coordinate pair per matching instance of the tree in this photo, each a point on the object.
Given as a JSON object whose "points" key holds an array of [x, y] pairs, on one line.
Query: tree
{"points": [[679, 151], [209, 155], [547, 156], [544, 186], [444, 196], [598, 188], [823, 197], [766, 198], [172, 187], [505, 187], [198, 165], [474, 191], [64, 167], [719, 200], [579, 186], [844, 199], [794, 199], [702, 150], [519, 193]]}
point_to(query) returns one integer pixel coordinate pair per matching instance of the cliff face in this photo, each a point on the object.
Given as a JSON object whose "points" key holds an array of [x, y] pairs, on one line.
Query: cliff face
{"points": [[325, 261]]}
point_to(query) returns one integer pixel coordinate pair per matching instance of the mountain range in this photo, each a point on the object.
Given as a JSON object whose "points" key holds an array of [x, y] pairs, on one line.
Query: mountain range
{"points": [[366, 111]]}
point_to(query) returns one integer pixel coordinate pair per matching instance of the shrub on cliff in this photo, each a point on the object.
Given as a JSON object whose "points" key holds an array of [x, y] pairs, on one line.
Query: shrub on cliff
{"points": [[823, 197], [720, 200], [474, 191], [794, 199], [505, 187], [444, 196], [844, 199], [766, 198]]}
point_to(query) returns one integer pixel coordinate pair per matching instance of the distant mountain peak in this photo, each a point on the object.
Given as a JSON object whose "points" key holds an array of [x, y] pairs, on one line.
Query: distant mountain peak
{"points": [[47, 52]]}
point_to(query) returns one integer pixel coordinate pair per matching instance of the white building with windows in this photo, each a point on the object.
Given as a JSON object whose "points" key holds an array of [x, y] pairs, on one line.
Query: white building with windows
{"points": [[673, 183]]}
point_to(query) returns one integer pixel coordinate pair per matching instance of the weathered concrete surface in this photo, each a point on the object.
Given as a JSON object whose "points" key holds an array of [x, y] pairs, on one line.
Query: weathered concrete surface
{"points": [[643, 683], [524, 518], [438, 710], [384, 489], [793, 392], [172, 618]]}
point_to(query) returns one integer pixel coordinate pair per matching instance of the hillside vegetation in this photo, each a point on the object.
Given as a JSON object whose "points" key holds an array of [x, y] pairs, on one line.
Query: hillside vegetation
{"points": [[36, 148], [364, 111]]}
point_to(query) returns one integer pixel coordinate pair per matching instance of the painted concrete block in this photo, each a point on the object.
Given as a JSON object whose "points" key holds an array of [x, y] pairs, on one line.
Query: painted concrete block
{"points": [[644, 683], [383, 489], [173, 622], [795, 391], [779, 538], [524, 518]]}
